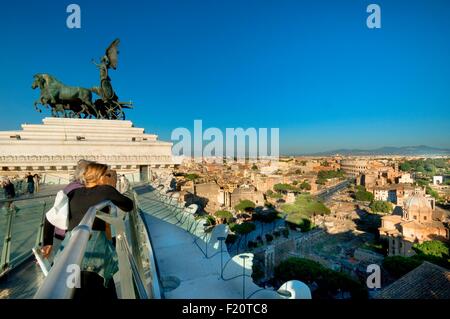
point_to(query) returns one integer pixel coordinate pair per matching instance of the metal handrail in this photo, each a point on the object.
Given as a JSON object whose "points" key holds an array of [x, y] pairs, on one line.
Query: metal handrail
{"points": [[138, 280], [56, 285], [135, 281], [26, 197], [60, 178], [155, 284]]}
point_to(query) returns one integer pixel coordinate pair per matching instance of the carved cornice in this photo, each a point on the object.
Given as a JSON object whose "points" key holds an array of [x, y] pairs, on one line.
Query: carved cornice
{"points": [[17, 160]]}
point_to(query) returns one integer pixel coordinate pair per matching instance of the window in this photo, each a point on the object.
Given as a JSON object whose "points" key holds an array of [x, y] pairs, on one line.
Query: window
{"points": [[424, 217], [415, 217]]}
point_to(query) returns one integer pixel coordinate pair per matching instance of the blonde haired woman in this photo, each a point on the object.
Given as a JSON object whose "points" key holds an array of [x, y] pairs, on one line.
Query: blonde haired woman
{"points": [[100, 257]]}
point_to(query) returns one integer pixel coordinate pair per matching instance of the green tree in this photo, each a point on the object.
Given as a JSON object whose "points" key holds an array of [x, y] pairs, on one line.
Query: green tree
{"points": [[329, 282], [330, 174], [284, 188], [191, 177], [245, 205], [254, 167], [422, 182], [363, 196], [433, 251], [420, 169], [379, 206], [305, 186], [224, 214], [321, 181], [427, 166], [210, 220], [266, 218], [243, 230], [398, 266], [231, 239], [303, 208], [440, 163], [430, 168], [305, 225], [269, 238], [258, 272], [432, 192], [271, 194], [405, 166]]}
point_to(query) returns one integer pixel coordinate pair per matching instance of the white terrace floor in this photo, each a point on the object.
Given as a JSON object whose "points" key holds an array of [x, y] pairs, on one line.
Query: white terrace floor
{"points": [[178, 256]]}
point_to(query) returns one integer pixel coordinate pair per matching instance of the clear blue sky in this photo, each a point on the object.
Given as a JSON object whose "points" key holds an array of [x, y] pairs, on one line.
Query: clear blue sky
{"points": [[311, 68]]}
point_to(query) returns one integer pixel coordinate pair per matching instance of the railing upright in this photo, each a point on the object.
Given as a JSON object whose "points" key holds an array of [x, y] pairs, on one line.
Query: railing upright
{"points": [[6, 251], [39, 237]]}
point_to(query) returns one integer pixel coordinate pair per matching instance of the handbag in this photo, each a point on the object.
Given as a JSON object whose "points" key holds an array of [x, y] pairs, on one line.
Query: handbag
{"points": [[58, 215]]}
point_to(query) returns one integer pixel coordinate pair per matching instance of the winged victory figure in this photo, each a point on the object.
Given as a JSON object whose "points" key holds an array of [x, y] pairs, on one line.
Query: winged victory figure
{"points": [[109, 60]]}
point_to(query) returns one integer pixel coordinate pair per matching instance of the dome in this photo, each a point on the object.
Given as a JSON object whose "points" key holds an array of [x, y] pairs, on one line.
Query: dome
{"points": [[418, 208], [417, 202]]}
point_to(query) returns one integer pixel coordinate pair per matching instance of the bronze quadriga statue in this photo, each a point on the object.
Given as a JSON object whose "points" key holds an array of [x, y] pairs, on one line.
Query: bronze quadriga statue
{"points": [[76, 102]]}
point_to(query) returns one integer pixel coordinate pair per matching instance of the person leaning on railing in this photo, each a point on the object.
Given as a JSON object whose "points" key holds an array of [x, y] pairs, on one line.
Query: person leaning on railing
{"points": [[100, 257], [77, 181]]}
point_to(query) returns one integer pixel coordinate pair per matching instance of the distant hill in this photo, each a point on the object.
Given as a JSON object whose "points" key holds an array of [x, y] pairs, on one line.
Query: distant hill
{"points": [[389, 150]]}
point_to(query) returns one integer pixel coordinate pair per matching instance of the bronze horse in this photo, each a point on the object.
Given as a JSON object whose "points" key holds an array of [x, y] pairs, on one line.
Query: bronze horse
{"points": [[71, 101]]}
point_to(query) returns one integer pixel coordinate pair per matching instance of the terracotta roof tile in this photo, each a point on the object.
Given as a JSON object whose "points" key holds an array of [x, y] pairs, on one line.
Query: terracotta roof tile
{"points": [[428, 281]]}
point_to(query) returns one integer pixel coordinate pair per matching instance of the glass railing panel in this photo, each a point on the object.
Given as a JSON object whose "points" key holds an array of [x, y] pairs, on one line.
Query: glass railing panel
{"points": [[27, 219], [22, 221]]}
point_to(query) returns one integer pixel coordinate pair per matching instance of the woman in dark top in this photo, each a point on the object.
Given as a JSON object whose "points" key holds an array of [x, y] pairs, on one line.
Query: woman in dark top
{"points": [[81, 199], [100, 256]]}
